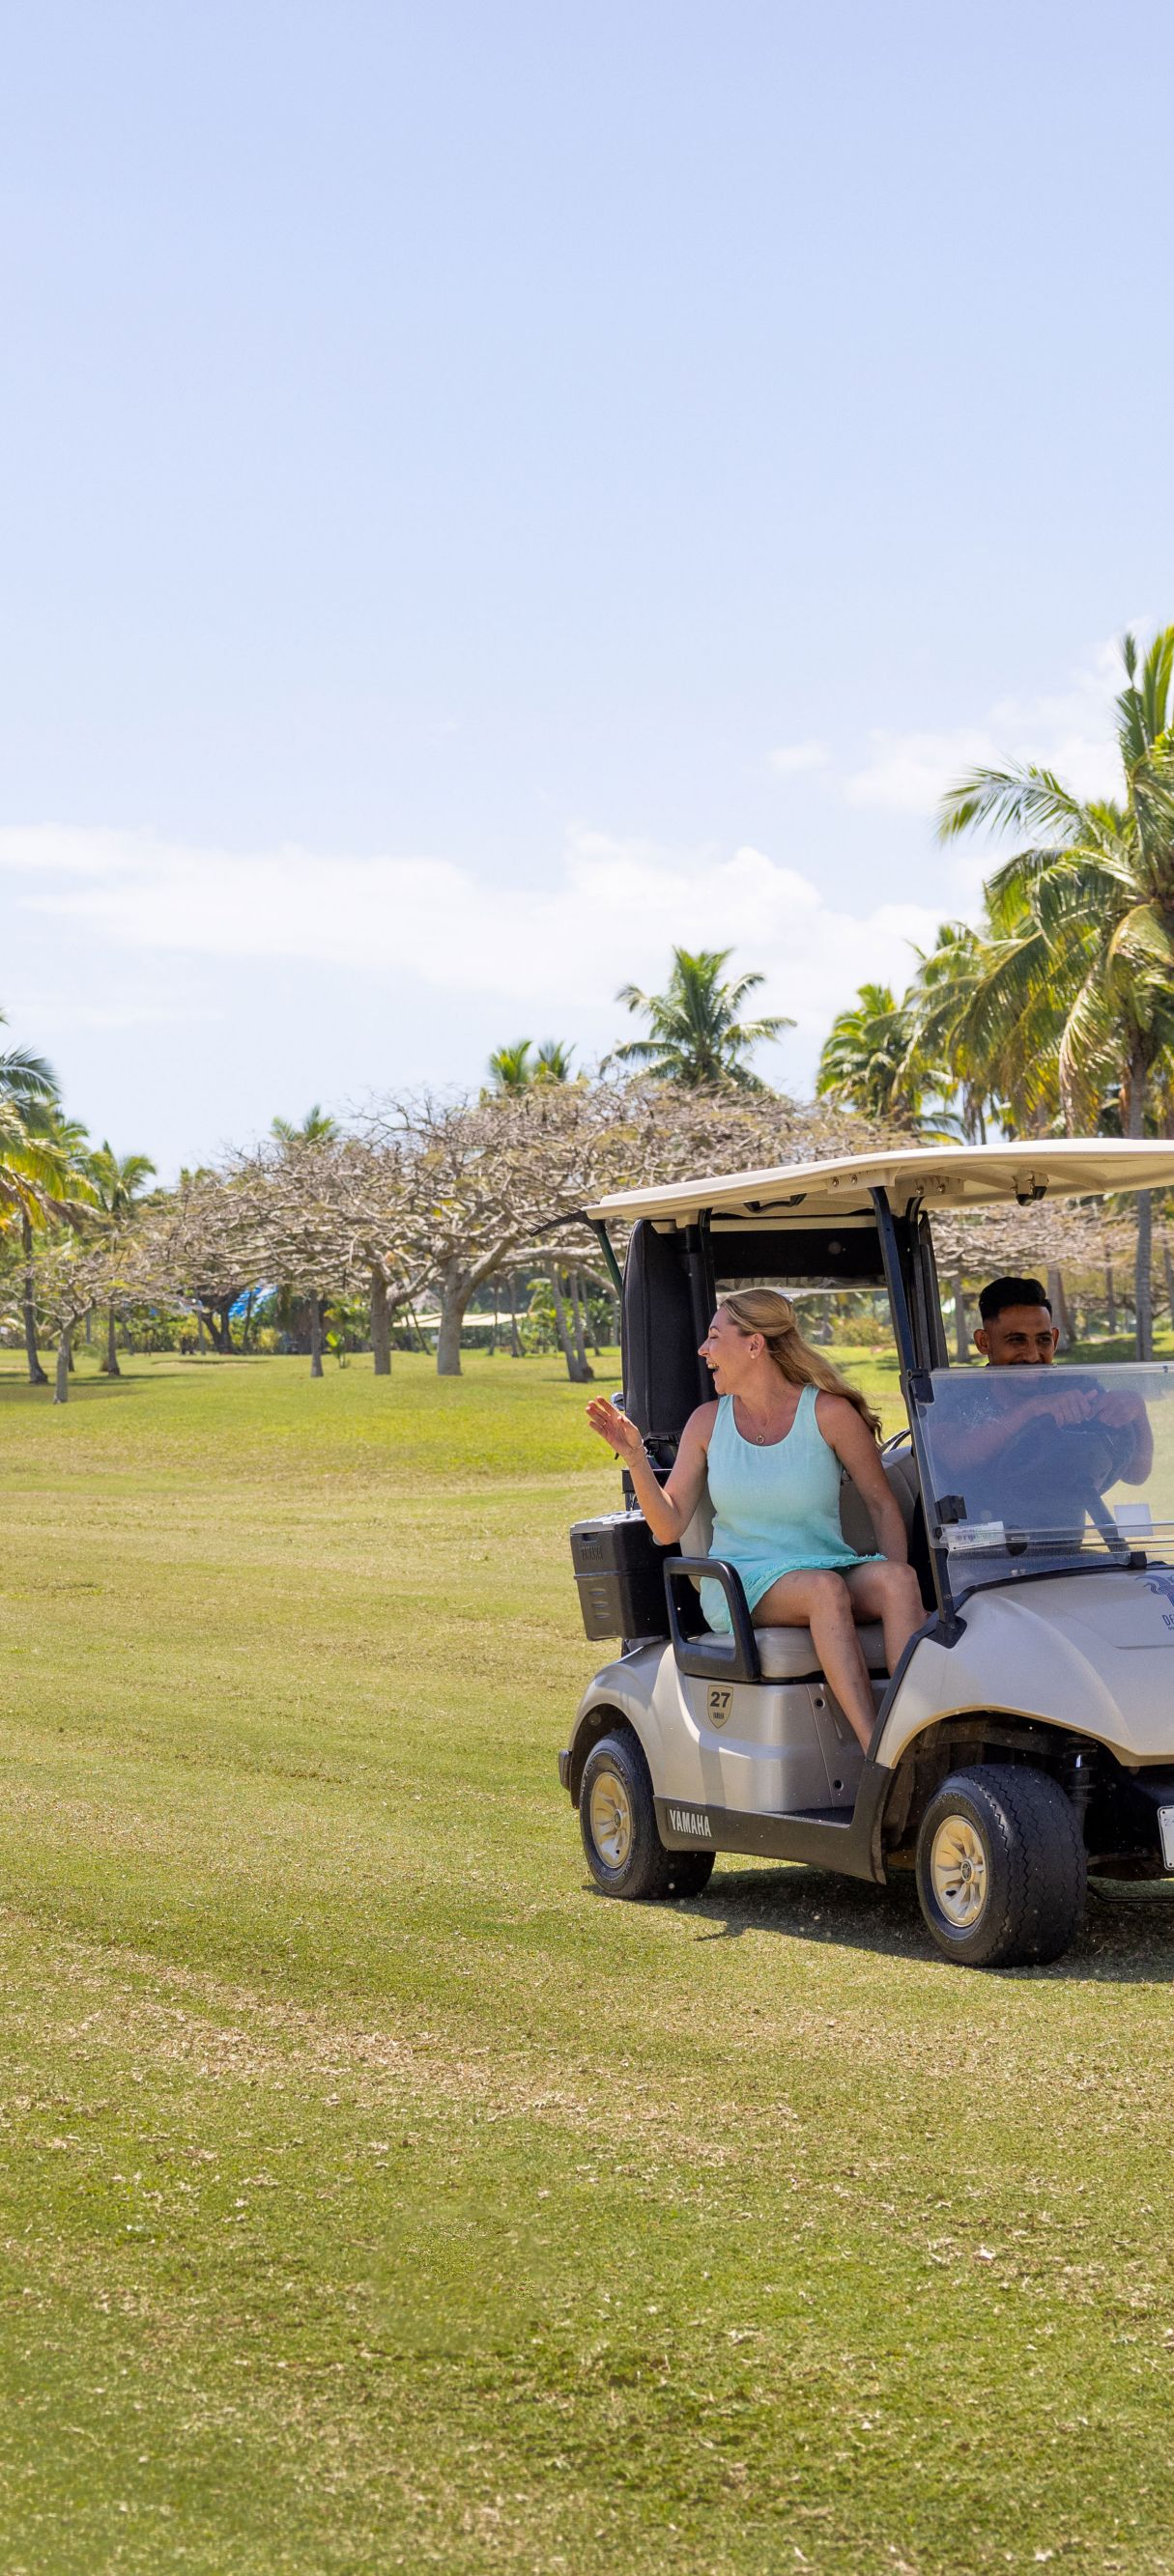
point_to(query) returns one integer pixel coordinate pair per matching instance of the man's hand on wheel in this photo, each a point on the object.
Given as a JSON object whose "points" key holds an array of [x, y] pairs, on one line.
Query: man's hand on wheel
{"points": [[1063, 1404]]}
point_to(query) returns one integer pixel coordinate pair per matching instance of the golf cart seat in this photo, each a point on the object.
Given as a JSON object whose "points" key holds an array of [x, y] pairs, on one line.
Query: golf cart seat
{"points": [[789, 1654]]}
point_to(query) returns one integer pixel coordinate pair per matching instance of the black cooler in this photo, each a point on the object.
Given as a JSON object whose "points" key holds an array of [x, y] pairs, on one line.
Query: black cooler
{"points": [[619, 1570]]}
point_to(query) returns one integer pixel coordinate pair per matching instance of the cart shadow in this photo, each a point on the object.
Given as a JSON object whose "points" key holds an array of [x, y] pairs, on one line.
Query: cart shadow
{"points": [[1127, 1936]]}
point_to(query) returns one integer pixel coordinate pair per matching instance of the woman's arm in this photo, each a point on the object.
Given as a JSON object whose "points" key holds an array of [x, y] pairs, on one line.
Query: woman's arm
{"points": [[856, 1450], [668, 1509]]}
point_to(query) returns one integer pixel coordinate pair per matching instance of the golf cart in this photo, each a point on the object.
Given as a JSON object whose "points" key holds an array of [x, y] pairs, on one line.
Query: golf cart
{"points": [[1028, 1731]]}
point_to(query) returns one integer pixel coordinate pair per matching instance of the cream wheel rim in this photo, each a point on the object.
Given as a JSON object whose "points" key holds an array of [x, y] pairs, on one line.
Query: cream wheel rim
{"points": [[610, 1818], [958, 1871]]}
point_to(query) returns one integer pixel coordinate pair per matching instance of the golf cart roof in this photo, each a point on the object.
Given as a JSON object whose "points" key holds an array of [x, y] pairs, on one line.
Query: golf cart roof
{"points": [[943, 1176]]}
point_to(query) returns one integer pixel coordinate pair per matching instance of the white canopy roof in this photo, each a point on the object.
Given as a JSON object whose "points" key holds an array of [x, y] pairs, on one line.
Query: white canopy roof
{"points": [[945, 1176]]}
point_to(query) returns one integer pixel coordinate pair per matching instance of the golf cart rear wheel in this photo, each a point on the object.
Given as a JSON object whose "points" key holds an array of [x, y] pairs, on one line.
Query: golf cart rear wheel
{"points": [[617, 1817], [1001, 1867]]}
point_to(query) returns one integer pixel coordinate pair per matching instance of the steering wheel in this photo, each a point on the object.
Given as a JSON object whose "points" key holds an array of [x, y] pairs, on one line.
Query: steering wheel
{"points": [[1082, 1458]]}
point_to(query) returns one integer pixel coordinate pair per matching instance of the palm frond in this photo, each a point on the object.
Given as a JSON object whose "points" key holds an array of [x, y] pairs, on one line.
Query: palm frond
{"points": [[1024, 798]]}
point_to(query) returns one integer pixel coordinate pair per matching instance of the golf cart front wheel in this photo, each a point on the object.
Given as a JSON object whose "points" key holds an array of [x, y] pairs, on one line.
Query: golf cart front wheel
{"points": [[1001, 1867], [617, 1818]]}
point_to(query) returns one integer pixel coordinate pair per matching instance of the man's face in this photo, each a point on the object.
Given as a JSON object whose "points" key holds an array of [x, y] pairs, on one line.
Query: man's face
{"points": [[1021, 1337]]}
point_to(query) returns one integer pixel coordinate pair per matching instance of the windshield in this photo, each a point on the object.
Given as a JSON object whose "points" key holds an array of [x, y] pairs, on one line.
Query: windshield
{"points": [[1035, 1466]]}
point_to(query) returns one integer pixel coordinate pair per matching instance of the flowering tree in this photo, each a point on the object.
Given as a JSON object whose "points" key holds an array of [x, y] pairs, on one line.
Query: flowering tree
{"points": [[481, 1178]]}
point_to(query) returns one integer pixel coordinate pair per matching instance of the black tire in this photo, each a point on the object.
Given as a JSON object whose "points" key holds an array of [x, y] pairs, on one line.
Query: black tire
{"points": [[617, 1819], [1010, 1828], [689, 1872]]}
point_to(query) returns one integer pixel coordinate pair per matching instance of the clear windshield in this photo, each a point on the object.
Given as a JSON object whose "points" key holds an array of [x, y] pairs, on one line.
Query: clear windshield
{"points": [[1043, 1465]]}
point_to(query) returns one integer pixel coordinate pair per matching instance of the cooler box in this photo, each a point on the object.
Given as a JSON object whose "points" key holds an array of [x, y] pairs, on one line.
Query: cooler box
{"points": [[619, 1572]]}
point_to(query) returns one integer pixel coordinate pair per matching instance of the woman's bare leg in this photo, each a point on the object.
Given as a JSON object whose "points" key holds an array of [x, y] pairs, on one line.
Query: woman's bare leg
{"points": [[890, 1593], [822, 1602]]}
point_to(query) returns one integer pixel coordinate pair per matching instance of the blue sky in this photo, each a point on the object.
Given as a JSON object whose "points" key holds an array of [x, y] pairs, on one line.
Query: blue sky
{"points": [[496, 489]]}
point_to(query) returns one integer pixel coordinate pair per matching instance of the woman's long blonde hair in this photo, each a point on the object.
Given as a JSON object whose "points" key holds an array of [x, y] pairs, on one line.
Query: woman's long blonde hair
{"points": [[767, 1311]]}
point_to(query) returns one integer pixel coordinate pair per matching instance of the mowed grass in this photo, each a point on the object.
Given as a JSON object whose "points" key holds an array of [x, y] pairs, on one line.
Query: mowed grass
{"points": [[375, 2194]]}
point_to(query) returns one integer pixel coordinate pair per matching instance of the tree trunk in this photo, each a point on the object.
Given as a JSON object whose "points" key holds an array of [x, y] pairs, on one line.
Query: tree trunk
{"points": [[247, 1326], [577, 1370], [1168, 1267], [961, 1343], [1110, 1298], [380, 1321], [109, 1366], [1059, 1305], [455, 1291], [37, 1375], [61, 1388], [316, 1304], [515, 1340]]}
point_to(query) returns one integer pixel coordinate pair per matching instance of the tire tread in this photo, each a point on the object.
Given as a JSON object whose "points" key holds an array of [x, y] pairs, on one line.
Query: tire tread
{"points": [[1038, 1868]]}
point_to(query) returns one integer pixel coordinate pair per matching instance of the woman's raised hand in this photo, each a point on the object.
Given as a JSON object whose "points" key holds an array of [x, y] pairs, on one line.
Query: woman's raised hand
{"points": [[614, 1427]]}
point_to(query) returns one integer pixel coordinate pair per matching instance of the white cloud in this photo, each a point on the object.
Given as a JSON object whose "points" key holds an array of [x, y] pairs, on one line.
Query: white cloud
{"points": [[909, 772], [610, 913], [1070, 732], [791, 757]]}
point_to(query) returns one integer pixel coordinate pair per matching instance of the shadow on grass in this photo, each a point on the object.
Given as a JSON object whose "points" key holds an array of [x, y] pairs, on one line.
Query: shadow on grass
{"points": [[1127, 1936], [82, 1390]]}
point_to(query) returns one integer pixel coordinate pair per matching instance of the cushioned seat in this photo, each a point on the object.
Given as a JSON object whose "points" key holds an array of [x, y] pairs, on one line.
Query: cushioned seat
{"points": [[788, 1654]]}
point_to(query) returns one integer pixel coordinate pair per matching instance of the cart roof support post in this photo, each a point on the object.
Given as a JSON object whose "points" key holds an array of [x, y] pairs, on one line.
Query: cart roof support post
{"points": [[903, 1254]]}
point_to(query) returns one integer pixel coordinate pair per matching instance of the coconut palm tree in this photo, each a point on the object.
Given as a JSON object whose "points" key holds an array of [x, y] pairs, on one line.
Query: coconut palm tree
{"points": [[120, 1183], [554, 1061], [697, 1037], [317, 1128], [875, 1061], [34, 1171], [938, 1001], [1080, 964], [866, 1060], [513, 1068]]}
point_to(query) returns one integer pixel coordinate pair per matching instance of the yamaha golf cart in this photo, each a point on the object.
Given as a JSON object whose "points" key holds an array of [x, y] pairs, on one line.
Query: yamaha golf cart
{"points": [[1027, 1734]]}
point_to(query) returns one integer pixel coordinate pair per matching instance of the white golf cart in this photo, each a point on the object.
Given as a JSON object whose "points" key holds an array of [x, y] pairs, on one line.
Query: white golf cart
{"points": [[1028, 1732]]}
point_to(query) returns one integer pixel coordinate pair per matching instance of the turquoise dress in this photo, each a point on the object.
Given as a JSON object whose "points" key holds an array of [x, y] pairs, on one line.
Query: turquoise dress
{"points": [[776, 1510]]}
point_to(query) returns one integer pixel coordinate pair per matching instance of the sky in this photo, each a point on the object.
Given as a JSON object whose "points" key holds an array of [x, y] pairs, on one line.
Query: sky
{"points": [[495, 490]]}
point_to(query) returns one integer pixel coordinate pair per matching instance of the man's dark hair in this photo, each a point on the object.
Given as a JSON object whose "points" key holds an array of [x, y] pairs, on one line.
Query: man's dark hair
{"points": [[1011, 1292]]}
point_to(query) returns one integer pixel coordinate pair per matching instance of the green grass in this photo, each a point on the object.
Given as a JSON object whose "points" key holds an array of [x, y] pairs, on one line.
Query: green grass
{"points": [[375, 2194]]}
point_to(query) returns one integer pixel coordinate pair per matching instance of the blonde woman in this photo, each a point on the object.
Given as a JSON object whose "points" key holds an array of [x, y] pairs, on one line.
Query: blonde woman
{"points": [[772, 1446]]}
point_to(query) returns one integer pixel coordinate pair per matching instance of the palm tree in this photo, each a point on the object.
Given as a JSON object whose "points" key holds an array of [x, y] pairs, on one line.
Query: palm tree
{"points": [[119, 1184], [697, 1038], [317, 1128], [866, 1060], [31, 1171], [1080, 965], [510, 1068], [554, 1061], [939, 1000], [875, 1061], [513, 1068]]}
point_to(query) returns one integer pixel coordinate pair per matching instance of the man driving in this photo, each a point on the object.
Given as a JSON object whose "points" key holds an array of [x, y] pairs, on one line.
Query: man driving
{"points": [[1026, 1457]]}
